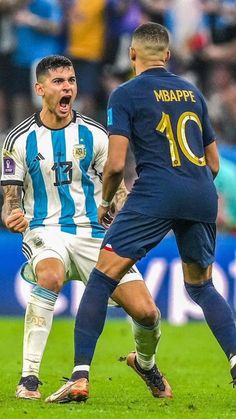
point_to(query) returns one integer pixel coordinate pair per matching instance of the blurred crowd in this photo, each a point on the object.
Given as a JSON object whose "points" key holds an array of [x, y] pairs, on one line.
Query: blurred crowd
{"points": [[95, 34]]}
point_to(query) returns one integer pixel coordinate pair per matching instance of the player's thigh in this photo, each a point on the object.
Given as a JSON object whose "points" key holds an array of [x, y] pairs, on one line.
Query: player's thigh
{"points": [[45, 250], [129, 238], [84, 255], [196, 244], [137, 301]]}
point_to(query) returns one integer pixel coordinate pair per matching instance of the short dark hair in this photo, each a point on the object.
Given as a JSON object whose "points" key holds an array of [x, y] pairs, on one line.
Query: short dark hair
{"points": [[152, 32], [51, 62]]}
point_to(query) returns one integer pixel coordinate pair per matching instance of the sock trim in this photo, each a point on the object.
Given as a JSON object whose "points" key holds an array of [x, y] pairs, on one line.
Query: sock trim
{"points": [[202, 284], [147, 327], [106, 278], [45, 293], [81, 368]]}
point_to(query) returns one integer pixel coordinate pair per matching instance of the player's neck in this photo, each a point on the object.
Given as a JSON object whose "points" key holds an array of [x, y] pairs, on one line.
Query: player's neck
{"points": [[52, 121], [143, 67]]}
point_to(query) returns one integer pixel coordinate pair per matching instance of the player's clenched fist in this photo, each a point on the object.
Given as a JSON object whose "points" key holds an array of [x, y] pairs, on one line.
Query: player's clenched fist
{"points": [[16, 221]]}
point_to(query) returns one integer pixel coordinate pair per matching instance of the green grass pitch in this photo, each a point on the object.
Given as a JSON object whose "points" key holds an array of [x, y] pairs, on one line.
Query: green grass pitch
{"points": [[189, 356]]}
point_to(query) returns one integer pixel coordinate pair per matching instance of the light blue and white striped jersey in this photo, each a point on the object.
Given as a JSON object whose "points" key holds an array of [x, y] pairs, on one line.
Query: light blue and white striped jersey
{"points": [[60, 172]]}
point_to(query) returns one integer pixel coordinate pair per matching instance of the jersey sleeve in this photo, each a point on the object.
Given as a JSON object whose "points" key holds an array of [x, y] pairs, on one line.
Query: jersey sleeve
{"points": [[208, 132], [119, 113], [13, 165]]}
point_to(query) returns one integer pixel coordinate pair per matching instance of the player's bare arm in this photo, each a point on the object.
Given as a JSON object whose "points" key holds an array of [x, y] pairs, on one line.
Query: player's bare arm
{"points": [[117, 203], [113, 172], [120, 196], [12, 214], [212, 158]]}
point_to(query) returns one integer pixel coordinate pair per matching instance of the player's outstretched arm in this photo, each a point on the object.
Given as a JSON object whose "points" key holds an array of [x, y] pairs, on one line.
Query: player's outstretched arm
{"points": [[12, 214]]}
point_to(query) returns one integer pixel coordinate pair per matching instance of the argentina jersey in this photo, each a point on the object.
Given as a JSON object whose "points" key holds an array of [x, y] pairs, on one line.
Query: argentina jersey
{"points": [[59, 171]]}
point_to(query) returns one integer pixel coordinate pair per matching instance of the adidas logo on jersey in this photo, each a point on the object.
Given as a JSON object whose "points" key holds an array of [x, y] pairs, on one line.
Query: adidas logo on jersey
{"points": [[39, 157]]}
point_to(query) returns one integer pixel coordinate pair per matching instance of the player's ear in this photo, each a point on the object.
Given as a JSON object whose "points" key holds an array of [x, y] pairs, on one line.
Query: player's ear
{"points": [[132, 54], [167, 57], [38, 89]]}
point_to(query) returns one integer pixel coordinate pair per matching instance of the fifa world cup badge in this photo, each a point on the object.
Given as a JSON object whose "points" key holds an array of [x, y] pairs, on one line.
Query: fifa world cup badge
{"points": [[79, 151], [8, 166]]}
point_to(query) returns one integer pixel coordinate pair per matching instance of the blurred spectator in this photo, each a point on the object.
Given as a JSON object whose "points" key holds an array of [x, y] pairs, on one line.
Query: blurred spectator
{"points": [[222, 103], [122, 17], [225, 182], [189, 34], [221, 16], [155, 10], [186, 22], [86, 40], [222, 52], [63, 36], [7, 45], [38, 26]]}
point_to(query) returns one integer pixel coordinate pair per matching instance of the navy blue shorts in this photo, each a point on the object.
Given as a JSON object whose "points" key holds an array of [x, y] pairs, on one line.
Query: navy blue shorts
{"points": [[132, 235]]}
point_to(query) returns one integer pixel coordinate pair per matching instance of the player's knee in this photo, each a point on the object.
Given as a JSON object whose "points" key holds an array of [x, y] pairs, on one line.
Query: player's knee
{"points": [[51, 280], [149, 316], [195, 274]]}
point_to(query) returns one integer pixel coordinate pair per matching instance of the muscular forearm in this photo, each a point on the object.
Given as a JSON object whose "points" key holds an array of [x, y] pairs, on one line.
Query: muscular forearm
{"points": [[12, 214], [12, 200], [111, 182], [120, 196]]}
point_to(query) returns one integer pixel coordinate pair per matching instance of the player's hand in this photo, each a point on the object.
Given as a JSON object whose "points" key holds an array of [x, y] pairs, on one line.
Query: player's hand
{"points": [[16, 221], [106, 215]]}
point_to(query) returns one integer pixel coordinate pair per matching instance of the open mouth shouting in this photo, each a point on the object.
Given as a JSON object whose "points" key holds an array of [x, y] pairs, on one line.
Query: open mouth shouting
{"points": [[64, 104]]}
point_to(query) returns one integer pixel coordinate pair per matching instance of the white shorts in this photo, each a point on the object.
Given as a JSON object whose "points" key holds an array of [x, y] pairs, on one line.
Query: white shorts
{"points": [[79, 255]]}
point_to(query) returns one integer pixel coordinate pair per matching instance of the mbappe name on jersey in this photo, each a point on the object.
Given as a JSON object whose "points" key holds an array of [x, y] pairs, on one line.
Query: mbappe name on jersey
{"points": [[174, 95]]}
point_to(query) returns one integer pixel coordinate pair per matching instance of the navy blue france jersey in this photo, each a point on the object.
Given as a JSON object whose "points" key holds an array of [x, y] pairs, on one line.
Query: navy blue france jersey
{"points": [[166, 120]]}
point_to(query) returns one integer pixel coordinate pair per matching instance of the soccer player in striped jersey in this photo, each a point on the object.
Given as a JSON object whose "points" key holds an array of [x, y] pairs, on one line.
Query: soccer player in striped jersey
{"points": [[51, 177]]}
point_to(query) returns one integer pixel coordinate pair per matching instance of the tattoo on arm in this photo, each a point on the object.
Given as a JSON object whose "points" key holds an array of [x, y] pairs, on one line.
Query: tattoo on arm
{"points": [[120, 196], [12, 199]]}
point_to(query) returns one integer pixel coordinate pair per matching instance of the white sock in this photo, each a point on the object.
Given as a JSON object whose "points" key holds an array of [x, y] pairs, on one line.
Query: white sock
{"points": [[146, 341], [232, 361], [38, 322]]}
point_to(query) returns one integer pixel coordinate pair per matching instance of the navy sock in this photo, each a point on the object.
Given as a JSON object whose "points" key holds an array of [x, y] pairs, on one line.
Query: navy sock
{"points": [[91, 315], [79, 374], [217, 312]]}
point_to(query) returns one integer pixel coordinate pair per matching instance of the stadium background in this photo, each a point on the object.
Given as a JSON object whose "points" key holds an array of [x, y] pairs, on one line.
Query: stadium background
{"points": [[96, 36]]}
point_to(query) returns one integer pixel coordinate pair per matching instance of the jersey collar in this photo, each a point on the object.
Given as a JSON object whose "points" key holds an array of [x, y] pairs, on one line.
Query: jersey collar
{"points": [[161, 71], [40, 123]]}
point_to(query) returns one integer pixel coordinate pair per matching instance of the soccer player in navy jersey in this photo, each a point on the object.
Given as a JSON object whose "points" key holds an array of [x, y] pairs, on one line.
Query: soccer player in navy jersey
{"points": [[165, 120], [56, 157]]}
